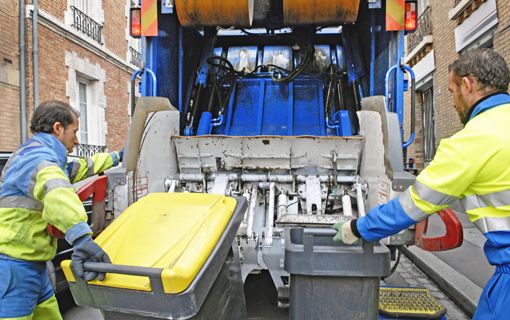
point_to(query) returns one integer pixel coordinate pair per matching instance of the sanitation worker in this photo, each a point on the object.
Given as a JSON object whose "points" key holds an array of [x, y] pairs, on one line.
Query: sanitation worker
{"points": [[36, 190], [473, 166]]}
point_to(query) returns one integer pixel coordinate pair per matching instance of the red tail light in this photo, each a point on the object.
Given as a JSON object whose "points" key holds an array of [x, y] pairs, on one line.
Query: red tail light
{"points": [[411, 13], [135, 22]]}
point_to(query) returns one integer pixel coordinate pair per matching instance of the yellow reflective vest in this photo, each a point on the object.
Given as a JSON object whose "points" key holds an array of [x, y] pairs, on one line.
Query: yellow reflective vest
{"points": [[472, 166], [36, 190]]}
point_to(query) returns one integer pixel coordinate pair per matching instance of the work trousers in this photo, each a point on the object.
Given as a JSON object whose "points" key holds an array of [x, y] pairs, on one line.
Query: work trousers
{"points": [[494, 302], [25, 291]]}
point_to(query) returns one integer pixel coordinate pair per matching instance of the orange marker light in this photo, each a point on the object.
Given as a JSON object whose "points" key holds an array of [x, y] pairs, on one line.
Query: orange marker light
{"points": [[135, 18], [411, 12]]}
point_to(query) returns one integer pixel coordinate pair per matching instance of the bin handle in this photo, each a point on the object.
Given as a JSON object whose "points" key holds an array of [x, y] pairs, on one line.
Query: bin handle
{"points": [[122, 269], [154, 274], [310, 233], [309, 236], [322, 232]]}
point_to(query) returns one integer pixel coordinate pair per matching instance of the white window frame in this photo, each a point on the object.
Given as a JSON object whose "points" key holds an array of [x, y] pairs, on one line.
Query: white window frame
{"points": [[480, 23], [82, 5], [429, 124], [82, 70], [422, 6], [83, 132]]}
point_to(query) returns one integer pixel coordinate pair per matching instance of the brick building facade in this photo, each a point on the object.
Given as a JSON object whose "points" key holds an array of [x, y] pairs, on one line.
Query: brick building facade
{"points": [[9, 76], [86, 58], [446, 30]]}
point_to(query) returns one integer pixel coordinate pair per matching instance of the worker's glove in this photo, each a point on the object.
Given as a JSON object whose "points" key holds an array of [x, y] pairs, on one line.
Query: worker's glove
{"points": [[121, 154], [344, 233], [86, 250]]}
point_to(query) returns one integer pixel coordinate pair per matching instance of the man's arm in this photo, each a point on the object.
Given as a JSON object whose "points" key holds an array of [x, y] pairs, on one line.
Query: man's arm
{"points": [[452, 171], [82, 168], [64, 210], [62, 207]]}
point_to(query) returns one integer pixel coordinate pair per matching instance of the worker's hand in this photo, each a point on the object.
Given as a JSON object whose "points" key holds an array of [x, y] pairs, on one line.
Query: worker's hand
{"points": [[344, 233], [86, 250]]}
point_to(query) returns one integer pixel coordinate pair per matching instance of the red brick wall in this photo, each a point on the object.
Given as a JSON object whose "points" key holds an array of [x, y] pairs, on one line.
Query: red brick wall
{"points": [[447, 121], [53, 75], [114, 24], [56, 7], [117, 99], [114, 31], [502, 35], [53, 72], [9, 68], [9, 31], [10, 119]]}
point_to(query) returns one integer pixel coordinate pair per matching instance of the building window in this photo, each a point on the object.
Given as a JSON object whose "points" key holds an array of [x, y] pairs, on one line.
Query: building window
{"points": [[82, 5], [476, 23], [484, 41], [429, 145], [87, 17], [92, 8], [86, 92], [82, 101], [422, 6]]}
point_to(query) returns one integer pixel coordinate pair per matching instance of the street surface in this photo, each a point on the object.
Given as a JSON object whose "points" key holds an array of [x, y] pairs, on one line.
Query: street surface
{"points": [[261, 296], [464, 269]]}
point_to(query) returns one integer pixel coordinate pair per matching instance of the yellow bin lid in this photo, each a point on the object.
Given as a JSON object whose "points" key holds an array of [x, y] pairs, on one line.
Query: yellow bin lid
{"points": [[173, 231]]}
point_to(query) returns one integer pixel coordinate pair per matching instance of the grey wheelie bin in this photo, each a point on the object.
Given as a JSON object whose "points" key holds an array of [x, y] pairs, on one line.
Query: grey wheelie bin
{"points": [[173, 257], [331, 280]]}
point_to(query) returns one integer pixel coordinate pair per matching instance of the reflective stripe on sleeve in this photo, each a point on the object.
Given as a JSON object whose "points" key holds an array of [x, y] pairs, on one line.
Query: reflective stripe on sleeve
{"points": [[56, 183], [496, 199], [490, 224], [432, 196], [20, 202], [75, 169], [33, 180], [410, 208], [90, 167]]}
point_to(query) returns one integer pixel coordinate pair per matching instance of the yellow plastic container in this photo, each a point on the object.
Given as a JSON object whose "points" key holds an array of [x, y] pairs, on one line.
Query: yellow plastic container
{"points": [[173, 231]]}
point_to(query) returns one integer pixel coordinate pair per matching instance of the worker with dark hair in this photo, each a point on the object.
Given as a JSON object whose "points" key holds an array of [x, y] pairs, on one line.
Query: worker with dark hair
{"points": [[470, 166], [36, 191]]}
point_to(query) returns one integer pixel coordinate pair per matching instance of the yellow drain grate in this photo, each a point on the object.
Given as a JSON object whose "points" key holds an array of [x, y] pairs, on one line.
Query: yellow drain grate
{"points": [[409, 303]]}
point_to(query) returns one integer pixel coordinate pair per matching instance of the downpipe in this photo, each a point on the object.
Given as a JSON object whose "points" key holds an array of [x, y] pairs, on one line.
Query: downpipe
{"points": [[35, 52], [22, 74]]}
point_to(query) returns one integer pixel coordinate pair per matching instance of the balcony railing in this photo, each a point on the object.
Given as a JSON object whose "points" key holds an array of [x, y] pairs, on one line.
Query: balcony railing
{"points": [[424, 29], [88, 150], [87, 25], [136, 57]]}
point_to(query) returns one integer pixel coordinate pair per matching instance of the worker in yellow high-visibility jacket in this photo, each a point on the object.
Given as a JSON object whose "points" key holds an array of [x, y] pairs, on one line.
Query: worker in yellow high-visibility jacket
{"points": [[36, 190], [472, 166]]}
